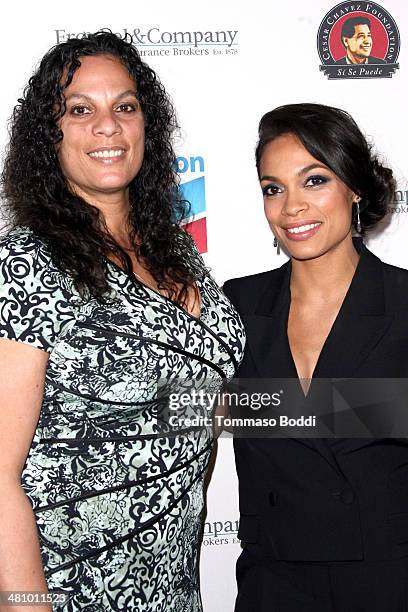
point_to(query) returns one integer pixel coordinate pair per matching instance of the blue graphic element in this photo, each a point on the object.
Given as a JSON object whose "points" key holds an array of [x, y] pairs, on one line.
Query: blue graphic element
{"points": [[183, 164], [194, 192]]}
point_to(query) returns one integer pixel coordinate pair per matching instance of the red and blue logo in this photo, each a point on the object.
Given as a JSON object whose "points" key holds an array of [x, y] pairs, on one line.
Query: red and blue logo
{"points": [[192, 188]]}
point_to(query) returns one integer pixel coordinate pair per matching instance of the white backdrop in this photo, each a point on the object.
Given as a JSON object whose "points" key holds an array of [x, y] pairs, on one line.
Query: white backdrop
{"points": [[220, 95]]}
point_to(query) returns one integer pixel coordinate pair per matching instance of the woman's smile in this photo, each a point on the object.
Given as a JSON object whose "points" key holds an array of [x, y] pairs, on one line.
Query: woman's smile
{"points": [[308, 207], [108, 155], [303, 230], [103, 145]]}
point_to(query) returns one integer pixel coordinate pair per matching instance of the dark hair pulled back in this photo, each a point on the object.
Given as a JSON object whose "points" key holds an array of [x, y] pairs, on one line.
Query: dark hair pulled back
{"points": [[332, 137]]}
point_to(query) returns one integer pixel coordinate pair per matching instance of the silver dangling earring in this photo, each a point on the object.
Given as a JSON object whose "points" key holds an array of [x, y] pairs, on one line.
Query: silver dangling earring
{"points": [[358, 223], [276, 245]]}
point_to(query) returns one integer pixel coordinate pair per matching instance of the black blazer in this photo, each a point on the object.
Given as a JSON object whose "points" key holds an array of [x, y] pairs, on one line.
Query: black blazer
{"points": [[317, 499]]}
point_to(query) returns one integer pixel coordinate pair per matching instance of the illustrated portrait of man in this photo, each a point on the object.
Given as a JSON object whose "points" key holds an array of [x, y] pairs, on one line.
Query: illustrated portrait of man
{"points": [[357, 40]]}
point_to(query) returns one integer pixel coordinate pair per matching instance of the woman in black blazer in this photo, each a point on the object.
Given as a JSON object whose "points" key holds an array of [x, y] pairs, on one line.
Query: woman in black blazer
{"points": [[324, 522]]}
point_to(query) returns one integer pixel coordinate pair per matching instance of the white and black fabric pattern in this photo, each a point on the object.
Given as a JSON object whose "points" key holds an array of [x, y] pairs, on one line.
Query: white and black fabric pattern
{"points": [[117, 501]]}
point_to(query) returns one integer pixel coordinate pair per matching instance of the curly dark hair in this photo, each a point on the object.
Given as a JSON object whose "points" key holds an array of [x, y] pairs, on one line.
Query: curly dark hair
{"points": [[38, 196], [332, 136]]}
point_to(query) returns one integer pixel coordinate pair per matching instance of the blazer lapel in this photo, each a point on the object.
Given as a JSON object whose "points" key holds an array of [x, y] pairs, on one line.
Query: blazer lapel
{"points": [[269, 346], [359, 327], [360, 324], [266, 329]]}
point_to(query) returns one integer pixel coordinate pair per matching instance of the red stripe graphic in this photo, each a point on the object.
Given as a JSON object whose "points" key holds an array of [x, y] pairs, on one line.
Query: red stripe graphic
{"points": [[198, 230]]}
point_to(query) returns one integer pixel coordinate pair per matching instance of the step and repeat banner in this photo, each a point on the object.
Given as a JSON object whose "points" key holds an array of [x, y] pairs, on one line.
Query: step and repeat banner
{"points": [[225, 64]]}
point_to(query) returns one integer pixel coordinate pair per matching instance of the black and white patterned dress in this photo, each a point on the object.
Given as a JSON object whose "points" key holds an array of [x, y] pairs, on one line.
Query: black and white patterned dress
{"points": [[117, 503]]}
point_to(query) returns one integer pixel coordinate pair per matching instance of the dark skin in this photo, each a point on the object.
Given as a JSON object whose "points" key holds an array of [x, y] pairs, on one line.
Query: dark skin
{"points": [[309, 210], [103, 115], [311, 310]]}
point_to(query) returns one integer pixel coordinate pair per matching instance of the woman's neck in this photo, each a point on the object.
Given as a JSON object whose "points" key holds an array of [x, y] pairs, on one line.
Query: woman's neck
{"points": [[324, 276], [114, 208], [116, 216]]}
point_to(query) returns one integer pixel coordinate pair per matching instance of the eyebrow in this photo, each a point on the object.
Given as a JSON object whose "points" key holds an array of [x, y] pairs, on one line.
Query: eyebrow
{"points": [[301, 172], [124, 94]]}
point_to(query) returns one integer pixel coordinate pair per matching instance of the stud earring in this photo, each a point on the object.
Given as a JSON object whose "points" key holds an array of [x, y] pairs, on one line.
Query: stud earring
{"points": [[276, 245]]}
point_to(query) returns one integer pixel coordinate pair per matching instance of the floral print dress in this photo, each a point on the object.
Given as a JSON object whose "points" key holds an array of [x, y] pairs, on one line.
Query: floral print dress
{"points": [[117, 501]]}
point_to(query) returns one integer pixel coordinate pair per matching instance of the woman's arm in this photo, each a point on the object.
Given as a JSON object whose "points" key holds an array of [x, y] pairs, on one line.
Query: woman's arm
{"points": [[221, 412], [22, 375]]}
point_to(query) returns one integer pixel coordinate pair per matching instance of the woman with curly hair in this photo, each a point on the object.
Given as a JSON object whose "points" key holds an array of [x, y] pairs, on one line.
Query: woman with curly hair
{"points": [[324, 520], [103, 297]]}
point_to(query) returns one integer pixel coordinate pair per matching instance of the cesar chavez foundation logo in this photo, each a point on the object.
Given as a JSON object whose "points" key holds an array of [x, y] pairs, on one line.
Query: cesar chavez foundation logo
{"points": [[358, 41]]}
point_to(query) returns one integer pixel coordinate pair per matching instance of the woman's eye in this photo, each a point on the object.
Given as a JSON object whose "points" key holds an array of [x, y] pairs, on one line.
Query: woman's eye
{"points": [[79, 110], [126, 107], [271, 190], [314, 181]]}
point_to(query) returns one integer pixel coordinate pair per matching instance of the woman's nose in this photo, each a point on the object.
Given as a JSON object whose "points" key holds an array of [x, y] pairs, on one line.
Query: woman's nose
{"points": [[294, 203], [106, 123]]}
